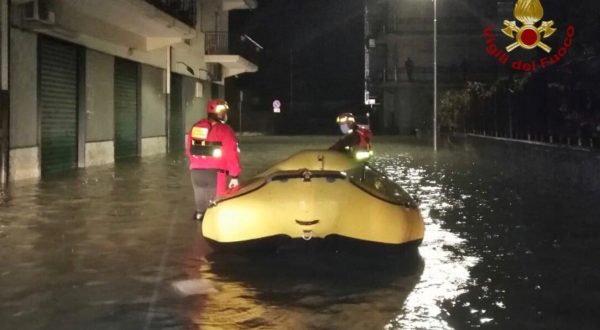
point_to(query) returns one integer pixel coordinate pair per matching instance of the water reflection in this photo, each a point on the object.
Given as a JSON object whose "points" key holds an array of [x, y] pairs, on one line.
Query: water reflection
{"points": [[301, 288], [447, 264], [102, 250], [339, 291]]}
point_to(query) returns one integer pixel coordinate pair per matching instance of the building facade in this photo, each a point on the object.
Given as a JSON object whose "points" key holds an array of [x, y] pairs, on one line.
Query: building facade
{"points": [[400, 59], [87, 83]]}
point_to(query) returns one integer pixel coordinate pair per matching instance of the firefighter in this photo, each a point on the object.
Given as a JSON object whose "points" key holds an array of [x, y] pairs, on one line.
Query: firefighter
{"points": [[213, 154], [356, 139]]}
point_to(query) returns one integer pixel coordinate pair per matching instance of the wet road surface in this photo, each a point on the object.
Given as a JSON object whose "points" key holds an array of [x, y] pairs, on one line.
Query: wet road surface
{"points": [[114, 248]]}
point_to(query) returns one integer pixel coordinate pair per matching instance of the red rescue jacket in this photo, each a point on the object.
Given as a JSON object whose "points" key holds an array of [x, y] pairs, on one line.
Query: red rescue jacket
{"points": [[365, 135], [358, 139], [213, 145]]}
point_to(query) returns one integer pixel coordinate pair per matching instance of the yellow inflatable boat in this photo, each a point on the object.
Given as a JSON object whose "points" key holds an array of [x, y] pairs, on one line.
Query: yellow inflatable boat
{"points": [[316, 195]]}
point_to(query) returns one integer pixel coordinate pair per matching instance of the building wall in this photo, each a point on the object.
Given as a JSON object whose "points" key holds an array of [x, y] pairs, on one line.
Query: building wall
{"points": [[194, 108], [23, 91], [153, 111], [100, 98], [104, 31], [153, 102], [409, 25], [99, 106], [208, 19], [98, 125], [24, 160], [406, 30]]}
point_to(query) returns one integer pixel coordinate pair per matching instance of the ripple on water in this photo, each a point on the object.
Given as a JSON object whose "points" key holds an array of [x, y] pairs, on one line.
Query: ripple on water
{"points": [[495, 247]]}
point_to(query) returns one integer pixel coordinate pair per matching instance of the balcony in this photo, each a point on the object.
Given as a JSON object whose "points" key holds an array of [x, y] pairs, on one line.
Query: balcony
{"points": [[239, 4], [182, 10], [216, 42], [451, 75], [134, 24], [422, 25], [217, 51]]}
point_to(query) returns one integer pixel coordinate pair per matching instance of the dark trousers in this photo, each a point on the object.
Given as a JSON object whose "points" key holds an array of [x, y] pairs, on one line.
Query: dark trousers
{"points": [[205, 188]]}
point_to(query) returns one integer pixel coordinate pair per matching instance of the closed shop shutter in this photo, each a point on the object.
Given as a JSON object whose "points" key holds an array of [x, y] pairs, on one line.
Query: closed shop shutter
{"points": [[126, 109], [58, 103]]}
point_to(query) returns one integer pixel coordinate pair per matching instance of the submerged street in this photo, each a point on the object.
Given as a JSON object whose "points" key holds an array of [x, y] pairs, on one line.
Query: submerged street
{"points": [[112, 246]]}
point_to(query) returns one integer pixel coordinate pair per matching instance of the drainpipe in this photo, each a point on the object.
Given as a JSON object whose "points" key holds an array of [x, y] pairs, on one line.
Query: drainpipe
{"points": [[168, 97], [4, 91], [240, 110]]}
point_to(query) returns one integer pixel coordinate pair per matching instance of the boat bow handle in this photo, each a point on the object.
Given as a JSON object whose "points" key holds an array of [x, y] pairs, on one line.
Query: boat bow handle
{"points": [[307, 223]]}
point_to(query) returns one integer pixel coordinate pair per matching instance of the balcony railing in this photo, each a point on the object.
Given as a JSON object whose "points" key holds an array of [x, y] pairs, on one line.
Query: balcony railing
{"points": [[419, 25], [216, 42], [446, 74], [183, 10]]}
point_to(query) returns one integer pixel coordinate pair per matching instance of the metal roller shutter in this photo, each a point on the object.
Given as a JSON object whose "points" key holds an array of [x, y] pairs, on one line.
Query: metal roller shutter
{"points": [[58, 103], [126, 109], [176, 136]]}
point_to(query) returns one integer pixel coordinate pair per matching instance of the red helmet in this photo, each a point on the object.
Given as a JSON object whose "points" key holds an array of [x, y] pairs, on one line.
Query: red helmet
{"points": [[218, 107], [345, 118]]}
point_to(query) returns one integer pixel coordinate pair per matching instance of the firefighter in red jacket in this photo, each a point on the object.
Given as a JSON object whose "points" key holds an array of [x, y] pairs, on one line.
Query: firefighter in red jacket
{"points": [[213, 154], [356, 139]]}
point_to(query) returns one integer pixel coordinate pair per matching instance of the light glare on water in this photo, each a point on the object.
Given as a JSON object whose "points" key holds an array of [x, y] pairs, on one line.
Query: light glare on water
{"points": [[115, 247]]}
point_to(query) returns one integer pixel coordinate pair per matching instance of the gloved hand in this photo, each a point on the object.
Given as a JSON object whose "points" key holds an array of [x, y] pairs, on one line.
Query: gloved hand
{"points": [[233, 183]]}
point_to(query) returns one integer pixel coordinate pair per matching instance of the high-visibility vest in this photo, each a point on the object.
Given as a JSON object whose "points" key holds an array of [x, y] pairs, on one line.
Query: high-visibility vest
{"points": [[202, 143]]}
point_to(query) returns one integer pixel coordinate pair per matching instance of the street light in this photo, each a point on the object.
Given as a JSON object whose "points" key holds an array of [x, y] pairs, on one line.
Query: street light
{"points": [[245, 37], [434, 75]]}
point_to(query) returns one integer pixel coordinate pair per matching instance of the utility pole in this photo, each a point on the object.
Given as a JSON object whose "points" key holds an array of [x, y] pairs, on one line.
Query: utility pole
{"points": [[291, 14], [291, 80], [367, 73], [240, 108], [435, 76]]}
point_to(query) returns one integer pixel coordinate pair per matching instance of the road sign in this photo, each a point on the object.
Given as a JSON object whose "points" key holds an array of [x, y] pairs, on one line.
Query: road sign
{"points": [[277, 106]]}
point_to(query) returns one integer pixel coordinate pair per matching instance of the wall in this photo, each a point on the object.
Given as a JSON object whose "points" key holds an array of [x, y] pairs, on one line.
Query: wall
{"points": [[99, 93], [100, 100], [410, 27], [561, 166], [23, 91], [194, 108], [408, 107], [153, 102], [153, 112], [207, 16], [466, 44], [99, 106], [106, 35], [24, 153]]}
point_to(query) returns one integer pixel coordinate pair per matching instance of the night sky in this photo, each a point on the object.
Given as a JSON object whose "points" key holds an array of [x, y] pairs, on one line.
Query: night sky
{"points": [[323, 39]]}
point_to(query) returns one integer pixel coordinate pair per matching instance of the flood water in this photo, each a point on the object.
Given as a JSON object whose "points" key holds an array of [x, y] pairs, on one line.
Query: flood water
{"points": [[114, 248]]}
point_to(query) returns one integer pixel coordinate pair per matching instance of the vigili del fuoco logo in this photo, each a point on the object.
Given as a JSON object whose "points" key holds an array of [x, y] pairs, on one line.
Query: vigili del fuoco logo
{"points": [[529, 34]]}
